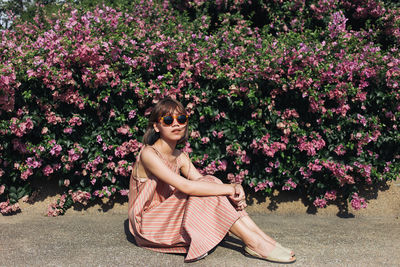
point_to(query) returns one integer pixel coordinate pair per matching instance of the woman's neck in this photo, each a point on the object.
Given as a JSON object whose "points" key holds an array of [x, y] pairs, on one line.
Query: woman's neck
{"points": [[165, 147]]}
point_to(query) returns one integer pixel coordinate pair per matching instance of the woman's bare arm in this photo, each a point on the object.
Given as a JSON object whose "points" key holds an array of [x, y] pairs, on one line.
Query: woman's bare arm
{"points": [[188, 169], [152, 163]]}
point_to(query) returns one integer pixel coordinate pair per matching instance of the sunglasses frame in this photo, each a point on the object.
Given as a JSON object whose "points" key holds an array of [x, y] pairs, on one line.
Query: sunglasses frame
{"points": [[174, 117]]}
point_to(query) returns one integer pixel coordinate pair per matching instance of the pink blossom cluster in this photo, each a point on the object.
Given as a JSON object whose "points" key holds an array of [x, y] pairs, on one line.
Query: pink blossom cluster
{"points": [[92, 165], [49, 169], [262, 185], [201, 161], [364, 139], [75, 153], [20, 128], [239, 153], [337, 24], [123, 168], [338, 170], [55, 148], [125, 130], [268, 148], [57, 208], [75, 121], [131, 146], [358, 202], [339, 150], [330, 195], [214, 166], [105, 191], [312, 144], [52, 118], [8, 84], [124, 192], [364, 170], [320, 202], [238, 178], [80, 196], [219, 134], [289, 185], [33, 162], [6, 208], [271, 166]]}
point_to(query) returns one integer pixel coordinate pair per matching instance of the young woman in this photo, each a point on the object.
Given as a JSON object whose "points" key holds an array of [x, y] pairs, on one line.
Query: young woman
{"points": [[175, 209]]}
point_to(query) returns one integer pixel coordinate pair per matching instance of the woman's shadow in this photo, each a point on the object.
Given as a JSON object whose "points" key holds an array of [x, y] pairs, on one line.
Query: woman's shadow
{"points": [[128, 233]]}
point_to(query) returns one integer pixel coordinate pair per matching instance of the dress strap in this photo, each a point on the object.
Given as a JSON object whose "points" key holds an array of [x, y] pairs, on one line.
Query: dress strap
{"points": [[158, 152], [168, 163]]}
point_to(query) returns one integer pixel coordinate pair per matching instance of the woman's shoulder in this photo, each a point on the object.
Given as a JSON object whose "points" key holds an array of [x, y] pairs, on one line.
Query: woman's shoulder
{"points": [[148, 151]]}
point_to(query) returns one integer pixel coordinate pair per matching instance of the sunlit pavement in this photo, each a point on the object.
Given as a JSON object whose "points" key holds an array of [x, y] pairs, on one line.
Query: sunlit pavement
{"points": [[101, 240]]}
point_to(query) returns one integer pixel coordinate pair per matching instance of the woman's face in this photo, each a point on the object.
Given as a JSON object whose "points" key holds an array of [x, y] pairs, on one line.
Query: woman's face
{"points": [[172, 131]]}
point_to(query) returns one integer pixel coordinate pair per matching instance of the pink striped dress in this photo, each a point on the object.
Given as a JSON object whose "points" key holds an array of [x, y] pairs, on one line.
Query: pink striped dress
{"points": [[166, 220]]}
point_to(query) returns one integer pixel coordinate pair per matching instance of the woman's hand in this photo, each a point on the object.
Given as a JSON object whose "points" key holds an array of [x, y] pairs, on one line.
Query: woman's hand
{"points": [[238, 199]]}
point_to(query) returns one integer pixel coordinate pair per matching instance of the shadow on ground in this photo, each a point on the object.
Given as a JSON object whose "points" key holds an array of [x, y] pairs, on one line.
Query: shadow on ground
{"points": [[276, 199]]}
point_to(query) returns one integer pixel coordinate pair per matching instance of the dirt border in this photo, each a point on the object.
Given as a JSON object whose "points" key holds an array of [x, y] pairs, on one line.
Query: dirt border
{"points": [[384, 201]]}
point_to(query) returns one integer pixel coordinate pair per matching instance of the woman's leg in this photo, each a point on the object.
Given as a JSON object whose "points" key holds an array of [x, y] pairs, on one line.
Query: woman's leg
{"points": [[253, 226], [252, 239]]}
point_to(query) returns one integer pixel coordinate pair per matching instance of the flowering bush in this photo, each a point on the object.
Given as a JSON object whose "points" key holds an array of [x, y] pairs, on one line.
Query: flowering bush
{"points": [[304, 104]]}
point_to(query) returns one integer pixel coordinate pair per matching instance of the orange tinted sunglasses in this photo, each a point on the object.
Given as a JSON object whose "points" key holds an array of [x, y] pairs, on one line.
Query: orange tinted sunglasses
{"points": [[169, 119]]}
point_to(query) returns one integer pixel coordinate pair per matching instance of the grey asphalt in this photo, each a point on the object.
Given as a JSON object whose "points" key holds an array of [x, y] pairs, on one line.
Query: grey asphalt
{"points": [[101, 239]]}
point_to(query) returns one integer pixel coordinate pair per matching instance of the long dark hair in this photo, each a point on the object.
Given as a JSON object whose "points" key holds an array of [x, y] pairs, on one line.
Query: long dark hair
{"points": [[164, 107]]}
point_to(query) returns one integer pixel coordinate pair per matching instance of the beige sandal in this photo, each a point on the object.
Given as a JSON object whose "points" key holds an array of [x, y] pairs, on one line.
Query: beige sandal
{"points": [[278, 254], [288, 250]]}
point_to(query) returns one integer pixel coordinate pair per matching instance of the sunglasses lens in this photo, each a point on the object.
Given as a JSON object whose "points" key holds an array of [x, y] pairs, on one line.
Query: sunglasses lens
{"points": [[168, 120], [182, 119]]}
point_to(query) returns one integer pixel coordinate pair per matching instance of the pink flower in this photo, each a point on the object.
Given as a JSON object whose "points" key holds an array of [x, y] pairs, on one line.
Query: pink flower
{"points": [[45, 130], [80, 196], [68, 130], [358, 202], [2, 188], [66, 182], [123, 129], [47, 170], [268, 169], [4, 204], [205, 140], [132, 114], [320, 202], [289, 185], [330, 195], [124, 192], [195, 134], [339, 150], [75, 121], [26, 174]]}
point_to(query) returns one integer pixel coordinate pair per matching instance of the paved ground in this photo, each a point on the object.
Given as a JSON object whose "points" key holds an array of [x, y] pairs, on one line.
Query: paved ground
{"points": [[100, 239]]}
